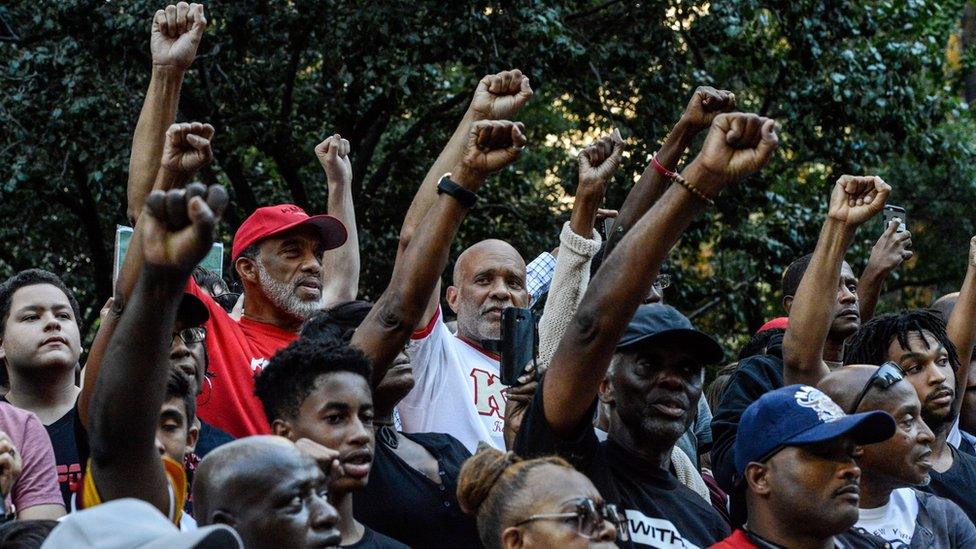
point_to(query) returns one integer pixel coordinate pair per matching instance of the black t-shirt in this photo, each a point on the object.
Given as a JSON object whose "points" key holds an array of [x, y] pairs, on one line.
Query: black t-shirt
{"points": [[958, 484], [755, 376], [209, 439], [70, 442], [403, 503], [376, 540], [661, 512]]}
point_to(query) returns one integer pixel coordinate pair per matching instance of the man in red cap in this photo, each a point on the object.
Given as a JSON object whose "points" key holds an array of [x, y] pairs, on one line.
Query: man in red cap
{"points": [[277, 255]]}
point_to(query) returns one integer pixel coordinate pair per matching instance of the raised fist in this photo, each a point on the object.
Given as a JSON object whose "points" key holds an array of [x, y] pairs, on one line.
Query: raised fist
{"points": [[333, 154], [855, 199], [737, 145], [187, 147], [492, 145], [599, 161], [500, 96], [176, 33], [179, 225], [11, 464], [705, 103]]}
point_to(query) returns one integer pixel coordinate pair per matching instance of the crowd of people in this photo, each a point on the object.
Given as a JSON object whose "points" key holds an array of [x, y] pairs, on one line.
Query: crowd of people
{"points": [[292, 414]]}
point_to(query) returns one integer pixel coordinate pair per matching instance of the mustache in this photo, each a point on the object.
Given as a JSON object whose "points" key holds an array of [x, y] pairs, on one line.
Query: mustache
{"points": [[494, 305], [939, 393]]}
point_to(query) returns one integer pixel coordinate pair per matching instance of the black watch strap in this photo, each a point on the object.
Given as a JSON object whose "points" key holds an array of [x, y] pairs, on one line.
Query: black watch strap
{"points": [[465, 198]]}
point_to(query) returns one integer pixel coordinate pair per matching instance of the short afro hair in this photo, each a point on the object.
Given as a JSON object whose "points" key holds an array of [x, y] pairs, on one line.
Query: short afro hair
{"points": [[31, 277], [291, 373], [870, 344], [338, 323], [794, 274]]}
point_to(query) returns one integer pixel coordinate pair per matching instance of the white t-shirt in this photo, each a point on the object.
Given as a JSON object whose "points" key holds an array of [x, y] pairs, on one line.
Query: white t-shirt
{"points": [[457, 389], [894, 521]]}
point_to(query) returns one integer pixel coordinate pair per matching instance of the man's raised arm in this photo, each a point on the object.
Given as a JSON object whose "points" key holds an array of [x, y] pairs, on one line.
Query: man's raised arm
{"points": [[178, 229], [697, 116], [497, 97], [340, 267], [854, 200], [737, 145], [961, 327], [490, 146], [175, 36], [187, 149], [890, 251]]}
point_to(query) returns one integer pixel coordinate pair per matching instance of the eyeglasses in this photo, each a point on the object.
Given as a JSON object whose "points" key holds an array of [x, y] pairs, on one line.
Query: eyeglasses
{"points": [[589, 517], [887, 375], [191, 335]]}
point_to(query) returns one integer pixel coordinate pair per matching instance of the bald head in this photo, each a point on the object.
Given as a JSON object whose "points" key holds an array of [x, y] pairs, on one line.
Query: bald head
{"points": [[240, 471], [487, 250], [488, 277], [843, 385], [945, 304]]}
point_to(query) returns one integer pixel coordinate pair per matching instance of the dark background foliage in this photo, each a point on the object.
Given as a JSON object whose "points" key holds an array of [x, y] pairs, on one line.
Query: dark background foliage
{"points": [[859, 87]]}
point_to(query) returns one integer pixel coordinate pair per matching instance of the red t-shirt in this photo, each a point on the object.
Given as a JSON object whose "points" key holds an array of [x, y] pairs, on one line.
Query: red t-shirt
{"points": [[237, 352]]}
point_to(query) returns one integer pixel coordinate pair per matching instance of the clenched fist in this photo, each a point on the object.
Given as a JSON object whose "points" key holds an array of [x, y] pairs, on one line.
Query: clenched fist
{"points": [[500, 96], [737, 145], [333, 154], [11, 464], [599, 161], [179, 225], [492, 145], [855, 199], [176, 34], [705, 103], [187, 147]]}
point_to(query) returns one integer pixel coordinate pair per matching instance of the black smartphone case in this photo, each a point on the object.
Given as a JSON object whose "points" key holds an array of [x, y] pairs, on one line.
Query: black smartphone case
{"points": [[518, 344]]}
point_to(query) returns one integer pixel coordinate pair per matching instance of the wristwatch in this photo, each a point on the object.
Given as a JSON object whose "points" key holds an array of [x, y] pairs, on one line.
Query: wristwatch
{"points": [[465, 198]]}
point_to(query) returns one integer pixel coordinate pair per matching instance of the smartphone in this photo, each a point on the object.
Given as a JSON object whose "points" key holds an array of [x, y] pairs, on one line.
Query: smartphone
{"points": [[890, 212], [607, 228], [518, 344]]}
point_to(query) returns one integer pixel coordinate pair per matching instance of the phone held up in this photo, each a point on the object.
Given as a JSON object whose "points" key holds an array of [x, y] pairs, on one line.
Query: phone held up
{"points": [[891, 212], [519, 343]]}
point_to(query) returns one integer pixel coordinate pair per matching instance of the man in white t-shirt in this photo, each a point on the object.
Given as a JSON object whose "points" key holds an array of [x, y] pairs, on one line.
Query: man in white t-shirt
{"points": [[457, 385], [889, 506]]}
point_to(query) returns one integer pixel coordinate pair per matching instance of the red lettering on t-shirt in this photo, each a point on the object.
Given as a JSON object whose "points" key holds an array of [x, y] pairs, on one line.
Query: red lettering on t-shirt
{"points": [[489, 393]]}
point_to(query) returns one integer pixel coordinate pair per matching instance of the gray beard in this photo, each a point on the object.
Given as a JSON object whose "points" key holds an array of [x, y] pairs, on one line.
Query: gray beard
{"points": [[283, 296]]}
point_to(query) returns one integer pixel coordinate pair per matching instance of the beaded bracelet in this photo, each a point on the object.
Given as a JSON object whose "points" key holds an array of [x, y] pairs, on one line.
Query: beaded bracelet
{"points": [[676, 177]]}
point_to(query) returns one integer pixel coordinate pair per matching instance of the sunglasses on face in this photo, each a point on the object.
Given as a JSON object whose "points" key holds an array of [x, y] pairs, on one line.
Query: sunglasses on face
{"points": [[589, 517], [191, 335], [887, 375]]}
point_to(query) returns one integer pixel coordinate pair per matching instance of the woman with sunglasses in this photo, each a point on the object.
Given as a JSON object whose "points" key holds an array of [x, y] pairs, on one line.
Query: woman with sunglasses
{"points": [[541, 502]]}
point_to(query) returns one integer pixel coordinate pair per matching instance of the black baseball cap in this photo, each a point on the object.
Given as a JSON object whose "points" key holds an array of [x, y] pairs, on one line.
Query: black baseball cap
{"points": [[656, 323], [192, 312]]}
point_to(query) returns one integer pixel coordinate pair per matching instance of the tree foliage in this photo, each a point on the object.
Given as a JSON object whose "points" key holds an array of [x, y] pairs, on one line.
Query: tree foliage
{"points": [[858, 87]]}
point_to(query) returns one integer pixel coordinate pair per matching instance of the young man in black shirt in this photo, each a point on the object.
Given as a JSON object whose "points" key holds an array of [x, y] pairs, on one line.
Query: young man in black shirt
{"points": [[796, 462], [40, 344], [657, 374]]}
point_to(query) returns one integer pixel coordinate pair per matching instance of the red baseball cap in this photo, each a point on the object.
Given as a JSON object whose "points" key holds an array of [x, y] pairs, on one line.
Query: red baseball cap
{"points": [[780, 323], [271, 220]]}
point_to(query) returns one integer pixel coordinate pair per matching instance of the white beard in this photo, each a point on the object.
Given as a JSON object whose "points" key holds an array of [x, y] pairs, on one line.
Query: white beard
{"points": [[283, 296]]}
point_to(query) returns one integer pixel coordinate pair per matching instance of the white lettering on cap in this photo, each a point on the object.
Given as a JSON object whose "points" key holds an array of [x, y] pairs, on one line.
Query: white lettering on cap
{"points": [[827, 410]]}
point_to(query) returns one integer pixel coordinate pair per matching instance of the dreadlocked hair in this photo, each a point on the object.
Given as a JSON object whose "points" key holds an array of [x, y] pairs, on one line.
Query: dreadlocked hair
{"points": [[491, 487], [870, 344]]}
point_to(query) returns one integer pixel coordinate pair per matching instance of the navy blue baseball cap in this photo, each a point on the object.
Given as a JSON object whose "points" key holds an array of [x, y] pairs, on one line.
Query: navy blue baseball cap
{"points": [[658, 322], [798, 415]]}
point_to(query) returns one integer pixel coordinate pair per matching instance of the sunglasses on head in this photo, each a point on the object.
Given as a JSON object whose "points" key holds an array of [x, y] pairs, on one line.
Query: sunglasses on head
{"points": [[885, 376], [589, 517]]}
